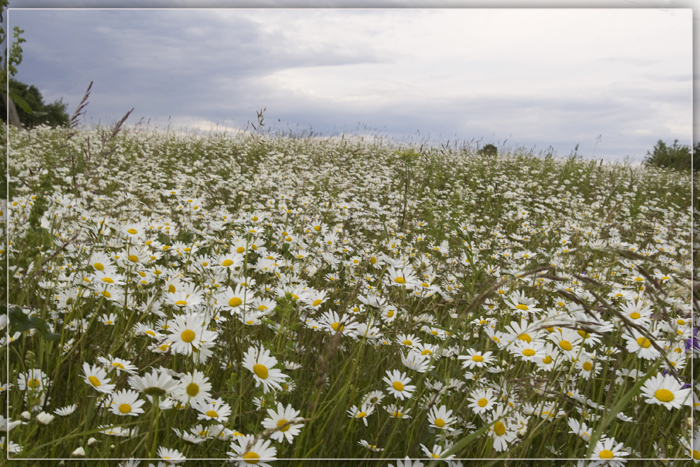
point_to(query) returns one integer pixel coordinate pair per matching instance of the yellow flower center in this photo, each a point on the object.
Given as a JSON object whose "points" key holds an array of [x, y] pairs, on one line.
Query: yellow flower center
{"points": [[125, 408], [499, 428], [192, 389], [482, 402], [426, 352], [664, 395], [696, 455], [528, 352], [520, 306], [133, 258], [477, 358], [282, 422], [234, 302], [587, 366], [400, 280], [240, 249], [115, 365], [643, 342], [337, 326], [407, 342], [227, 263], [260, 371], [361, 414], [566, 345], [373, 260], [316, 302], [398, 385], [606, 454], [635, 315], [525, 337], [187, 335], [108, 280], [251, 458], [93, 380], [99, 266], [439, 422], [212, 413], [132, 231]]}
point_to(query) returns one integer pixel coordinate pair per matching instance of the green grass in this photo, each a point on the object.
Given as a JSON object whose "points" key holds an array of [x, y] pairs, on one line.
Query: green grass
{"points": [[566, 233]]}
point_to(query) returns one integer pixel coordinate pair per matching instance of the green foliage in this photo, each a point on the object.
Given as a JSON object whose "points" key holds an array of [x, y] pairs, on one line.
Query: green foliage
{"points": [[35, 111], [674, 157], [488, 150], [20, 322]]}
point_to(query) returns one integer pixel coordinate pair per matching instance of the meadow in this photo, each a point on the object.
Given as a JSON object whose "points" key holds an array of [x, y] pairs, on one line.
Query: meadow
{"points": [[255, 298]]}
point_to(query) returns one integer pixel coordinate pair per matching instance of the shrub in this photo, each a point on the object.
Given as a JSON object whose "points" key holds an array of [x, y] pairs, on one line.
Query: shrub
{"points": [[675, 157]]}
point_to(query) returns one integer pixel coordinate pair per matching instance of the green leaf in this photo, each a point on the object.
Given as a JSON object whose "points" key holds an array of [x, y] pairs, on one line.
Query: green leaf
{"points": [[17, 99], [20, 322]]}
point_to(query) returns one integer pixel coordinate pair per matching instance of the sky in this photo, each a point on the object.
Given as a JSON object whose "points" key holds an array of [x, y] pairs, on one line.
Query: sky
{"points": [[611, 80]]}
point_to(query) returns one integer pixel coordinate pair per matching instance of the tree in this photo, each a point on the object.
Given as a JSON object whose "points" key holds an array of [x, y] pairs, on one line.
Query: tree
{"points": [[679, 157], [488, 150], [9, 68], [54, 114]]}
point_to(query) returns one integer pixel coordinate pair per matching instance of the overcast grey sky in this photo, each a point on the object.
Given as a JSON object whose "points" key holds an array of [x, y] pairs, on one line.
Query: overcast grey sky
{"points": [[613, 81]]}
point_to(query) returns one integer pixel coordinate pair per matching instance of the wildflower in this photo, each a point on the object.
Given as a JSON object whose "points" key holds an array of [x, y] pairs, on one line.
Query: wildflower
{"points": [[188, 333], [437, 452], [155, 383], [518, 301], [406, 278], [501, 430], [666, 391], [249, 450], [371, 447], [580, 429], [415, 361], [126, 402], [45, 418], [409, 340], [118, 364], [236, 300], [608, 453], [65, 411], [476, 359], [258, 361], [396, 411], [441, 417], [640, 344], [362, 413], [280, 421], [407, 463], [97, 378], [528, 351], [193, 386], [33, 380], [398, 384], [173, 456], [211, 409], [482, 400]]}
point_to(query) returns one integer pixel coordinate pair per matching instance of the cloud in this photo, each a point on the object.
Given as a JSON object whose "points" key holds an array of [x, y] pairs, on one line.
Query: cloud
{"points": [[535, 77]]}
